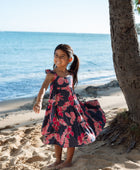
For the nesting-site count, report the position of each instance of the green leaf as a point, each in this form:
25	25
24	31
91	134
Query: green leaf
138	8
136	2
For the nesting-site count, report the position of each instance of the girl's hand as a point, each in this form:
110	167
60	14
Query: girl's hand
37	108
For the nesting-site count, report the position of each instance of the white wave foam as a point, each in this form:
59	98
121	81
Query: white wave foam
20	77
96	75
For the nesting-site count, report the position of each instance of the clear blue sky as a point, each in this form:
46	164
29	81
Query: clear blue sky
86	16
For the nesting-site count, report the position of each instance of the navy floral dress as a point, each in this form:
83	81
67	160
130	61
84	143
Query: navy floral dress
69	122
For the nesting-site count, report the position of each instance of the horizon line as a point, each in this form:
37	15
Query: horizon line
51	32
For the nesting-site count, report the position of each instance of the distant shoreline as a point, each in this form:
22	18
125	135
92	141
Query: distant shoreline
55	32
59	32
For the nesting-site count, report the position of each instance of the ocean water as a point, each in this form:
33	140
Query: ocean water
24	56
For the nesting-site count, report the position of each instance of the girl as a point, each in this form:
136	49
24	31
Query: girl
68	122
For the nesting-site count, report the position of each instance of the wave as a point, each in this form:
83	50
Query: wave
20	77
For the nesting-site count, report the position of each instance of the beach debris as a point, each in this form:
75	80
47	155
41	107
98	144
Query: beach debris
131	146
35	159
6	127
121	130
93	90
29	130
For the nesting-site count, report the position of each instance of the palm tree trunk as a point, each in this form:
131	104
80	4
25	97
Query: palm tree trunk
126	53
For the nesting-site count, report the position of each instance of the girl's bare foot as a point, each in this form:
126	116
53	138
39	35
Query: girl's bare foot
55	164
64	165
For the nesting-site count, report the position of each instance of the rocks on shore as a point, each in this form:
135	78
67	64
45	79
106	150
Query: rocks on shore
93	90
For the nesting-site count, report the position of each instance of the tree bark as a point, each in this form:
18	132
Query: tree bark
126	53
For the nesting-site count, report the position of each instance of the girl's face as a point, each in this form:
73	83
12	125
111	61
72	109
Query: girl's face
61	59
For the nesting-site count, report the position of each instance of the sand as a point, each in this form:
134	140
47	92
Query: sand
21	147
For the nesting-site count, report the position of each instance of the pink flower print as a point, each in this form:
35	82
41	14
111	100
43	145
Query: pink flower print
100	122
79	140
72	133
60	114
79	119
66	104
78	107
68	136
49	107
94	102
85	142
50	101
54	119
62	139
62	122
66	88
82	135
96	124
63	136
94	110
58	97
104	119
51	88
85	118
69	90
57	137
44	130
72	103
81	103
73	117
81	111
83	124
98	128
71	98
57	123
66	81
67	114
60	80
66	143
47	112
87	124
74	95
59	110
69	128
56	128
49	136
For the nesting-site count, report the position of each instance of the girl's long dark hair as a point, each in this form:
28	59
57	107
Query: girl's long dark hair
74	65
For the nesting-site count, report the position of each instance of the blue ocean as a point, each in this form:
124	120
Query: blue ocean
24	56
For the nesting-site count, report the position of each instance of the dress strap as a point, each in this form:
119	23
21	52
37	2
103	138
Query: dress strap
49	71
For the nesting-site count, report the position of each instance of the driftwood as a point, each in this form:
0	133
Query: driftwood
121	131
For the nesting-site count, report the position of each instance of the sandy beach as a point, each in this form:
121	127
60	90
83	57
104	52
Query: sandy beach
21	147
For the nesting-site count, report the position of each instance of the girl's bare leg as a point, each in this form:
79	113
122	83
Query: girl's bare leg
58	153
68	161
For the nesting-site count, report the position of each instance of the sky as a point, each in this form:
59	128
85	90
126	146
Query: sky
76	16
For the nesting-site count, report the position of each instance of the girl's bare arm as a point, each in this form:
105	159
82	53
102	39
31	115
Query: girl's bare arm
44	87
